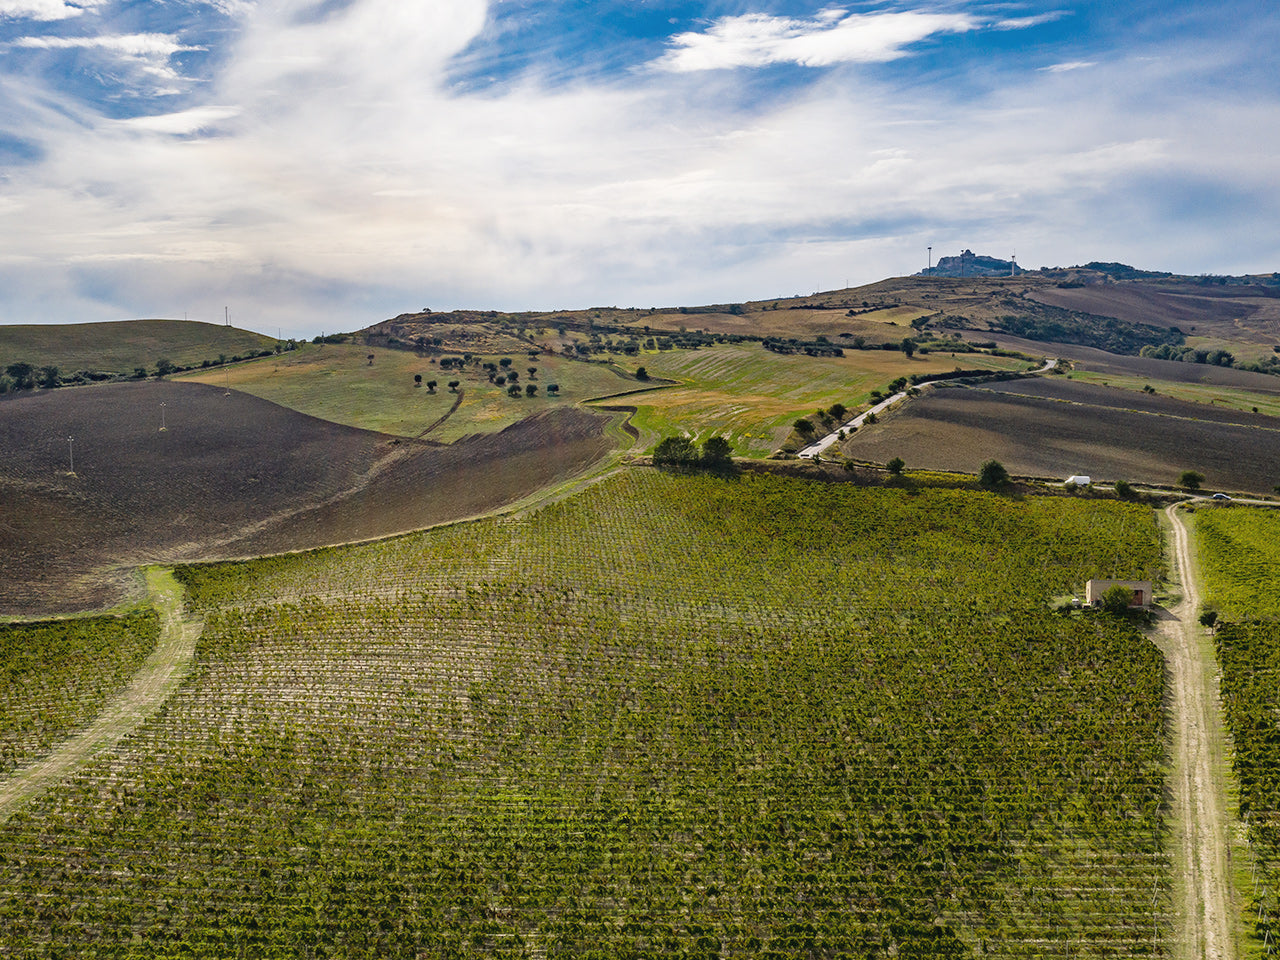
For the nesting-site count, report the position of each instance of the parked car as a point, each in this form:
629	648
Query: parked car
1220	496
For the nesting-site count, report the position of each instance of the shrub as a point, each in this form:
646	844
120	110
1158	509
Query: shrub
993	475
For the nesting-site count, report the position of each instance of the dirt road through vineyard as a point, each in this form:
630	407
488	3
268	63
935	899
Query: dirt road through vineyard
150	687
1201	855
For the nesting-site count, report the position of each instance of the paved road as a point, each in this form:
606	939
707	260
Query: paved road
815	450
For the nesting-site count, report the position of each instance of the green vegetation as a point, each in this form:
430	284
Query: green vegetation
1240	559
1240	556
751	395
55	676
121	347
993	475
336	382
667	716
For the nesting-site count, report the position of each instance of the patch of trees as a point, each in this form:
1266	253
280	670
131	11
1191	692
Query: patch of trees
1045	323
814	348
680	453
1122	271
1165	351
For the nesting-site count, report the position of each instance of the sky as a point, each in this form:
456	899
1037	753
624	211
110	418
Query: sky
320	165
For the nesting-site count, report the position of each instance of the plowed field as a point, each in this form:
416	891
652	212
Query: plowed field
229	476
1059	428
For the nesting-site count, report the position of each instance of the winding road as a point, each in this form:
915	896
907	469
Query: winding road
1201	854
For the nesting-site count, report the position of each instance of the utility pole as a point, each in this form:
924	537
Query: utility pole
71	454
930	248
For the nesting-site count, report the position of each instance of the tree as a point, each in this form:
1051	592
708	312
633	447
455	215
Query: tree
164	367
895	466
838	410
642	373
49	377
804	427
530	389
675	452
417	379
1124	488
431	386
532	370
22	375
370	358
1116	599
505	362
1190	480
908	347
993	475
717	451
513	390
453	386
1209	618
553	389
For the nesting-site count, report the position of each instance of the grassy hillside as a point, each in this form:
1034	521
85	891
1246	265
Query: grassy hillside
124	345
665	717
337	382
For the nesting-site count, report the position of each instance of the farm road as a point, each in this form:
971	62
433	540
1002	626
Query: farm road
1201	856
150	687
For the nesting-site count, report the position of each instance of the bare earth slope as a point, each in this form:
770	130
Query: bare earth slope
230	475
1098	431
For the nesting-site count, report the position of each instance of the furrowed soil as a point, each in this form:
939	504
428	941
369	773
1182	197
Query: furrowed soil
231	475
1054	428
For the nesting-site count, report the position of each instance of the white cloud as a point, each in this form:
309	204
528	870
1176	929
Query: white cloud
1023	23
344	180
756	40
45	10
133	46
1069	66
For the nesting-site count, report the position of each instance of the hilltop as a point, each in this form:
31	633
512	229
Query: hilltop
93	352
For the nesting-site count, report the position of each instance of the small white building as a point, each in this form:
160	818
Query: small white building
1079	481
1142	592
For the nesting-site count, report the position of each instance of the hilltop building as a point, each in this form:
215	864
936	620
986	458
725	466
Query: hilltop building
969	264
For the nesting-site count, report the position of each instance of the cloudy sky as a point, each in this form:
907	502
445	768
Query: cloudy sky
324	164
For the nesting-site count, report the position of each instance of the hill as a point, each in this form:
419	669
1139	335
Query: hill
119	348
230	475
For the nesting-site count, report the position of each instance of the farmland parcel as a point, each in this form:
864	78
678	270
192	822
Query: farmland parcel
677	716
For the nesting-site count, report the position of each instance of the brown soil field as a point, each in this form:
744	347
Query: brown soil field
231	476
1243	313
1170	371
1076	428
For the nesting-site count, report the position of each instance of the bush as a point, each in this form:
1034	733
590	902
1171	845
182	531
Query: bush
1190	480
993	475
895	466
1124	488
1116	599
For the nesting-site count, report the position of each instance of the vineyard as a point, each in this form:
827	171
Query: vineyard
675	716
56	675
1240	555
1239	550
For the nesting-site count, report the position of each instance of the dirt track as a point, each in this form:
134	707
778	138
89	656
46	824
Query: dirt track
1201	855
150	687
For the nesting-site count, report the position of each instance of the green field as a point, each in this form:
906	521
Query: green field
1239	552
56	675
753	396
337	382
667	716
1240	556
123	346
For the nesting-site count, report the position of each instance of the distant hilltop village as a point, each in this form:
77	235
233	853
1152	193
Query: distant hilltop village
969	264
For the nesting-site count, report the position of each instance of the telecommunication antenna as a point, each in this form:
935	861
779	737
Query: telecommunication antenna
162	426
71	455
1013	264
930	249
226	316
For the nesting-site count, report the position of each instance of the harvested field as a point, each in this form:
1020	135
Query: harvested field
1235	313
1070	428
230	475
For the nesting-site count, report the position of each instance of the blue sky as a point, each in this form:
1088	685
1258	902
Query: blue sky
324	165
